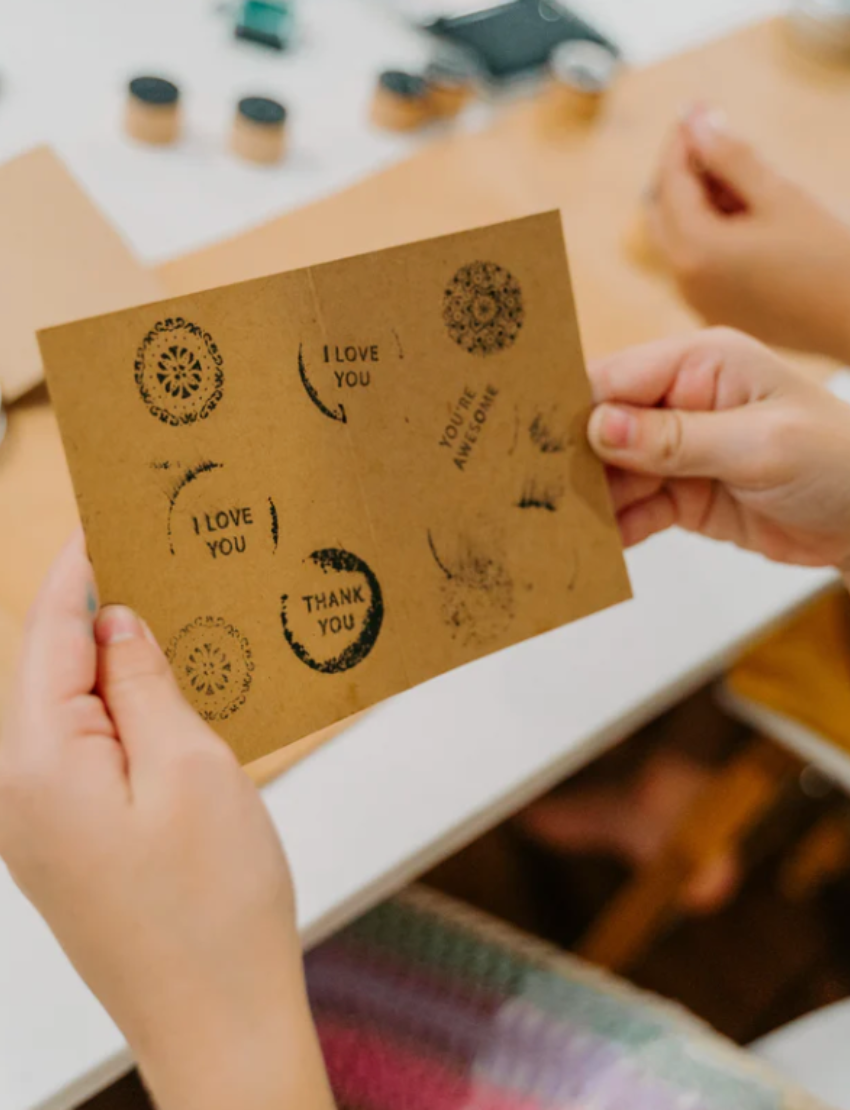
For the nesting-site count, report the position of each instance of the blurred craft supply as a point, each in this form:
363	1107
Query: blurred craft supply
259	130
450	88
515	38
823	25
583	73
153	110
265	23
426	1002
402	101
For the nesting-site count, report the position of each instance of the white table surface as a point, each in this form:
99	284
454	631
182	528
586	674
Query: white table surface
426	771
812	1053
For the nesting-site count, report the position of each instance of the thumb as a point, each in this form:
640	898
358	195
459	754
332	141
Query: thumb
724	155
674	443
138	688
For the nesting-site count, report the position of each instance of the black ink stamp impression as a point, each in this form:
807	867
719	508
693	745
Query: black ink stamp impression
179	372
213	665
342	621
483	308
477	590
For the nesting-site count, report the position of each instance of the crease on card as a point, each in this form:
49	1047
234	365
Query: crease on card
355	467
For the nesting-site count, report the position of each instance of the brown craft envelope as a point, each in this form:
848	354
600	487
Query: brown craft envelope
304	545
59	260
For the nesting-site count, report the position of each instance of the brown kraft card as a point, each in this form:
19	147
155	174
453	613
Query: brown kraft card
325	486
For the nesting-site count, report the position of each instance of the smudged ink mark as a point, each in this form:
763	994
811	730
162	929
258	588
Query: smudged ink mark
213	665
334	414
546	436
189	475
179	373
275	523
477	591
398	342
336	561
538	495
437	558
91	600
483	308
165	465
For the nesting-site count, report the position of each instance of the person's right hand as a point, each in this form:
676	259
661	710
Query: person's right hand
778	266
716	434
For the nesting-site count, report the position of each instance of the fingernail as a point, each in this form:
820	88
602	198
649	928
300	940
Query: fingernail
686	111
614	427
116	624
706	125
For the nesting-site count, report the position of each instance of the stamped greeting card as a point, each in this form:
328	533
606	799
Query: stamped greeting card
323	487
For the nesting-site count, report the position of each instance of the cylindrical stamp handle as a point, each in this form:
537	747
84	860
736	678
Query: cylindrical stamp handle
259	130
153	110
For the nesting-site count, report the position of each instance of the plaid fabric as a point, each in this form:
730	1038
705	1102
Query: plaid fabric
426	1005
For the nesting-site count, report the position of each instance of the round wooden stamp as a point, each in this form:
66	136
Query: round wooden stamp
583	72
402	101
450	89
259	130
153	111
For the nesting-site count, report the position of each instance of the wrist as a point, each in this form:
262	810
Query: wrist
258	1053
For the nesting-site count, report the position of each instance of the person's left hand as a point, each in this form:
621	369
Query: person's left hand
133	830
748	247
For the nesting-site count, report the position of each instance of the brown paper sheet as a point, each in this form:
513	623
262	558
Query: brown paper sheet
59	260
325	486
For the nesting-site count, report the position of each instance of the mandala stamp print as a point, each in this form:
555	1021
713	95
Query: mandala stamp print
179	372
483	308
213	665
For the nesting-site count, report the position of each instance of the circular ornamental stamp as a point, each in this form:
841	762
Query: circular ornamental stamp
483	308
213	665
179	372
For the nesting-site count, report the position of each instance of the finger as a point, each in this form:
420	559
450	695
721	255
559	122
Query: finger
153	720
672	443
725	156
59	659
682	211
646	518
628	488
716	368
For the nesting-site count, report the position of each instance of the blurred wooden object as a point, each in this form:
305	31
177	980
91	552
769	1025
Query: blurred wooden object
822	855
729	808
